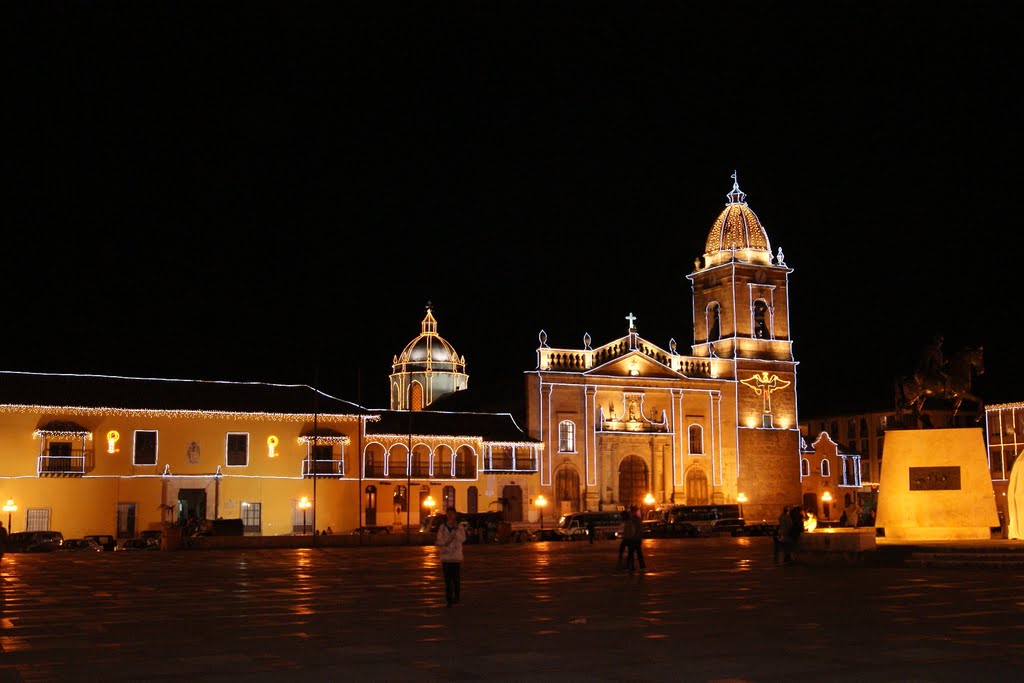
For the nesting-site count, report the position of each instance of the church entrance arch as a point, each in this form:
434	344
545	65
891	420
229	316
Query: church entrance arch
697	487
512	503
567	490
632	481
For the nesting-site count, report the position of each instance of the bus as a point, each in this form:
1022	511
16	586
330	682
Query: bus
573	526
695	520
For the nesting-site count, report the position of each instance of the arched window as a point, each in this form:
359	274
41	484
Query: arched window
805	467
416	396
447	497
760	319
370	505
696	440
714	322
826	470
399	499
566	437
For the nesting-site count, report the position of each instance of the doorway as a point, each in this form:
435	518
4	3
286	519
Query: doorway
512	502
191	504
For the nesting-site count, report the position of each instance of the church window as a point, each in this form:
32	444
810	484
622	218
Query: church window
805	467
416	396
714	322
696	440
760	319
566	437
826	471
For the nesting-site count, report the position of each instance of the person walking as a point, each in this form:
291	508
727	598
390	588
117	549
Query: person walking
632	534
450	537
783	536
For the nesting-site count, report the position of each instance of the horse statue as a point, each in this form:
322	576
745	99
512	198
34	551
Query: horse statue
912	392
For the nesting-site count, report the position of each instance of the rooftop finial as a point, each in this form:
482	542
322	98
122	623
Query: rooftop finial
736	196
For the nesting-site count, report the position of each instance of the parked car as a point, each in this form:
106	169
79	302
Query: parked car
105	541
80	545
153	536
134	544
367	530
34	541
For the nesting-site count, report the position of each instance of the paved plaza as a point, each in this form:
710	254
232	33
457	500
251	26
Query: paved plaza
715	609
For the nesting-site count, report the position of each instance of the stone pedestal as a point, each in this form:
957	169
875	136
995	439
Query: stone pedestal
935	486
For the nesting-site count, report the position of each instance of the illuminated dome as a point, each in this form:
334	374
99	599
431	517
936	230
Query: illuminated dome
427	369
429	347
737	234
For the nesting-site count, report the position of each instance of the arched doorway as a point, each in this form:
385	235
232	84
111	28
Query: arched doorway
370	506
567	490
632	481
697	488
512	497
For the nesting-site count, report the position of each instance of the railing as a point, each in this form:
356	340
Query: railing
61	465
323	468
509	464
462	471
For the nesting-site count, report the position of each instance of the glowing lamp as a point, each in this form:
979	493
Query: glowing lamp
272	442
649	500
540	501
112	438
10	508
304	504
429	503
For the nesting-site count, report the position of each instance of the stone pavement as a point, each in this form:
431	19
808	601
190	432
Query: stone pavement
708	609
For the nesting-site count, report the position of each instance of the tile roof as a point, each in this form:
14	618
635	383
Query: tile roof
138	393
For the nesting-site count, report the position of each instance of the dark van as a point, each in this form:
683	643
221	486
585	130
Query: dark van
481	527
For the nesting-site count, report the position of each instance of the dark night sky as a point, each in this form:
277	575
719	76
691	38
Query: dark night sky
274	191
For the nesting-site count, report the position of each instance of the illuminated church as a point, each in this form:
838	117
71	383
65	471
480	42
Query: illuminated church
628	417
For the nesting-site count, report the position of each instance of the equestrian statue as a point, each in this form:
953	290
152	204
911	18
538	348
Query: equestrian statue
936	378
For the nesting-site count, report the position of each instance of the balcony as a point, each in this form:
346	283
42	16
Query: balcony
71	465
323	468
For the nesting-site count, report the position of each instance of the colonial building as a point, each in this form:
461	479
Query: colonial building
629	418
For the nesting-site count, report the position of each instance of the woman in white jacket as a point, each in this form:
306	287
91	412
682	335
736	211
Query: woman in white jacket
450	537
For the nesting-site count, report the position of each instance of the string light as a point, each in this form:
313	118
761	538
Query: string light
272	442
112	438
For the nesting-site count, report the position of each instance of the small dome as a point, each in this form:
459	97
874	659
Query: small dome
737	233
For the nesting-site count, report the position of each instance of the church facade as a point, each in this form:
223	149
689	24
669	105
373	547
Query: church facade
629	419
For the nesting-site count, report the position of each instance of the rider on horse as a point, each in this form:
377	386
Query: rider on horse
931	369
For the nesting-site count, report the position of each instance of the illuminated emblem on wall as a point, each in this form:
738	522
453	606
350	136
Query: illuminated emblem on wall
272	442
764	385
112	438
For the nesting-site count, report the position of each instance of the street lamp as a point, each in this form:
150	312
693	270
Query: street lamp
826	498
304	505
540	502
649	502
10	508
741	498
429	503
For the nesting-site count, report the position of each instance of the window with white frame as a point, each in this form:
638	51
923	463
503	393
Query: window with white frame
696	433
566	437
825	469
252	514
144	451
237	449
805	467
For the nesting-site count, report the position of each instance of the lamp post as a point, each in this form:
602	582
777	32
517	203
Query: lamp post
430	504
826	498
540	501
304	505
741	498
648	503
10	508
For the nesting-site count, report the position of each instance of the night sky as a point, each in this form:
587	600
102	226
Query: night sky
274	191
